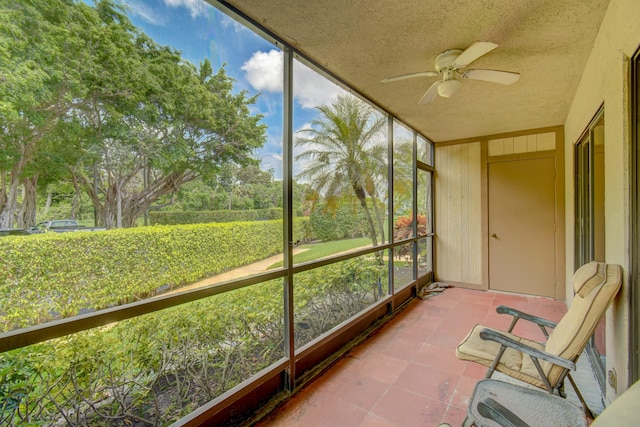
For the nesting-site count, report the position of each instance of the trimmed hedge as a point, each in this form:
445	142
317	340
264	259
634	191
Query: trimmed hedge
346	222
166	364
204	217
55	275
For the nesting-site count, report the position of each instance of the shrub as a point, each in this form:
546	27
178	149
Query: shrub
346	222
204	217
156	368
403	229
53	275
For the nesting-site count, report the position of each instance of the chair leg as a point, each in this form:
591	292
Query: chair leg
587	411
492	368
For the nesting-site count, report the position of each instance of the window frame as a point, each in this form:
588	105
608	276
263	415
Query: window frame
585	220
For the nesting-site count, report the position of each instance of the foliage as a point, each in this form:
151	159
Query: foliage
346	221
39	82
402	176
202	217
157	368
236	188
346	156
89	100
54	275
327	296
403	229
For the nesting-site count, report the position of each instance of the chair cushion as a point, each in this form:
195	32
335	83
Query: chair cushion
513	363
572	333
596	285
588	277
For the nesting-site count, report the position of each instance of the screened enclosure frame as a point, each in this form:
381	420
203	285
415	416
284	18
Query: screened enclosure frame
293	375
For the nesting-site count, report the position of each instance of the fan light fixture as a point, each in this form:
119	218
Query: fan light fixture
448	88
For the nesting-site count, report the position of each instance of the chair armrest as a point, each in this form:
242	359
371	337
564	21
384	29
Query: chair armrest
543	324
488	334
525	316
492	410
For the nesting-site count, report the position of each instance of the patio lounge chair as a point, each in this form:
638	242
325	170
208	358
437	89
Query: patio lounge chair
545	365
504	404
508	405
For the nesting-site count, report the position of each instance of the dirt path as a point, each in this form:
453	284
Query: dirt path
244	271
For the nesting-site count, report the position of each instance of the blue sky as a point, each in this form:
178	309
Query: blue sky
200	31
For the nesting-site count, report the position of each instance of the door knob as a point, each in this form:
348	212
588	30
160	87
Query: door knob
494	235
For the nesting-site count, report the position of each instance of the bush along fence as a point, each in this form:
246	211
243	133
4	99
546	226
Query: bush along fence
203	217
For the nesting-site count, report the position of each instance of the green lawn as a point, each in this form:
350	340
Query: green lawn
320	250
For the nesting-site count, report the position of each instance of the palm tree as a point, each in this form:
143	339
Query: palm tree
402	177
345	152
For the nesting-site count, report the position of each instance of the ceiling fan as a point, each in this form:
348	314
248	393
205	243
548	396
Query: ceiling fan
450	64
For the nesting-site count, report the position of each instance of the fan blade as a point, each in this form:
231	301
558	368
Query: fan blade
409	76
494	76
472	53
430	93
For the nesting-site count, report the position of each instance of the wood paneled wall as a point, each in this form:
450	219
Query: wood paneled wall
461	199
458	206
522	144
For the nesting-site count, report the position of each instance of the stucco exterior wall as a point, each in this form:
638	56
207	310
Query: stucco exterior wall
605	80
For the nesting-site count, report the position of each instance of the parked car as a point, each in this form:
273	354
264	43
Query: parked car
13	232
61	226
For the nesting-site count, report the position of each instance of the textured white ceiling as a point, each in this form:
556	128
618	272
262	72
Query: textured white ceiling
363	41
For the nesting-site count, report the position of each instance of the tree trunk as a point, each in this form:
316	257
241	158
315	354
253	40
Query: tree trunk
27	213
118	207
74	206
47	205
379	219
363	202
114	206
3	190
7	214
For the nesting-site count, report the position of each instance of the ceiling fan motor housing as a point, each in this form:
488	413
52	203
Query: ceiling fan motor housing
445	59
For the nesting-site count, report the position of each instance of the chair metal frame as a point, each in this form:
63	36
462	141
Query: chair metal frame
535	354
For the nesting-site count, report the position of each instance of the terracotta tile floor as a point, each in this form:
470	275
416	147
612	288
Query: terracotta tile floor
407	373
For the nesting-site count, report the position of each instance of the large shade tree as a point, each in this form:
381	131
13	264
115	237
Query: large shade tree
39	84
344	151
89	99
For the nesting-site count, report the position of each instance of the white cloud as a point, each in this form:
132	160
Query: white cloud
196	7
311	89
264	71
146	13
226	21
